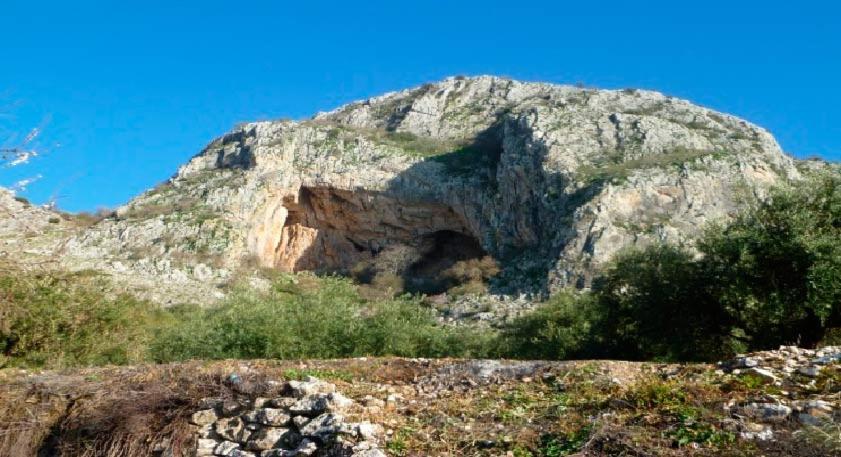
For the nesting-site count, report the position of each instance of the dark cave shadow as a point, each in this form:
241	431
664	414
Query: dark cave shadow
548	218
475	194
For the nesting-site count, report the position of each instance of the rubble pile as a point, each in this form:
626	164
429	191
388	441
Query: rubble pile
306	421
792	393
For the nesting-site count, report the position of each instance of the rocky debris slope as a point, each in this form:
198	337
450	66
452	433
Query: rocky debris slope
429	407
307	421
791	375
549	180
30	233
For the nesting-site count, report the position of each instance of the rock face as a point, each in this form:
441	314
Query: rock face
31	235
549	180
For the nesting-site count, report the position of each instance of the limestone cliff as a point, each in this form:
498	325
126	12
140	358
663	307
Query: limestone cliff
549	180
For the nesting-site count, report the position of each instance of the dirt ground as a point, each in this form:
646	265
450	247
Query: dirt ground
428	407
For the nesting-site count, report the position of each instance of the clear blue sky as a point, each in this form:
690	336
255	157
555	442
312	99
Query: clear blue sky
130	90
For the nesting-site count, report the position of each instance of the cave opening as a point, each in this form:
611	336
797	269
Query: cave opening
447	259
404	246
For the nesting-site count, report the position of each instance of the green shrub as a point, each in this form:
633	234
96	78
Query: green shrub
779	265
327	321
56	320
772	277
561	328
23	200
657	304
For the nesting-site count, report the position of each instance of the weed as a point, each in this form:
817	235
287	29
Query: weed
521	451
398	444
657	394
825	438
554	445
688	432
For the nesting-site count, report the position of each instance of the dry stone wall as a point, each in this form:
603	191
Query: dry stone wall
308	420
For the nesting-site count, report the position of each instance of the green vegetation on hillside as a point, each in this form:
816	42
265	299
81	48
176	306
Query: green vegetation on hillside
771	277
68	319
308	317
618	169
60	320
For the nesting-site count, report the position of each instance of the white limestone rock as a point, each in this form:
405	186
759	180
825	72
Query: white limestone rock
561	178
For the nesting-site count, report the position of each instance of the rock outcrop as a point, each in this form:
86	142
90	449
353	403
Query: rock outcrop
551	181
30	235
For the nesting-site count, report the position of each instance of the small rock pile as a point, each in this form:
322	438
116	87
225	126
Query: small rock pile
306	421
486	309
793	373
777	366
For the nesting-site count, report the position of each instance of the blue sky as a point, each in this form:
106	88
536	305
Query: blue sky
127	91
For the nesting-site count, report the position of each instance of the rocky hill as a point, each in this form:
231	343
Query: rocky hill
548	181
485	195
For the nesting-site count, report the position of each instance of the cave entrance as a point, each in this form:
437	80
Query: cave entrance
448	259
331	230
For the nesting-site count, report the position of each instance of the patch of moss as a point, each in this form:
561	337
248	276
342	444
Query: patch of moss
613	170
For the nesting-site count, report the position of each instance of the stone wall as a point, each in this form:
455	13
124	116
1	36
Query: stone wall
308	420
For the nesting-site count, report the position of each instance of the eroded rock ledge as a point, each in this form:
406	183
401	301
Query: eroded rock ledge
334	229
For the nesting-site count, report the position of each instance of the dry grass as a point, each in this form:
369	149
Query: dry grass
561	408
114	412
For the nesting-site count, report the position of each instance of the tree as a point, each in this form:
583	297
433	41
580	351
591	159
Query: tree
16	151
658	304
771	277
779	265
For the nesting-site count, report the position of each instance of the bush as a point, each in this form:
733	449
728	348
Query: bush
327	321
56	320
657	304
59	320
561	328
382	286
469	276
779	266
772	277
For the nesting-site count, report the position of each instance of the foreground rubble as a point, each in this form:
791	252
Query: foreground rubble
775	403
790	392
306	421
